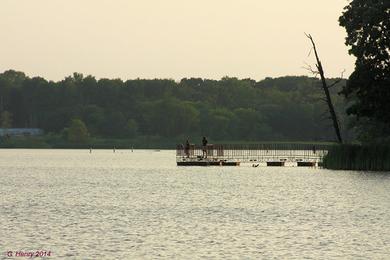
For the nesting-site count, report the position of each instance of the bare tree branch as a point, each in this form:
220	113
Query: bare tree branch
338	81
325	87
309	51
309	68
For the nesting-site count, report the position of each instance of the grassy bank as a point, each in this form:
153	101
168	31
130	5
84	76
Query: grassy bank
140	142
57	142
358	157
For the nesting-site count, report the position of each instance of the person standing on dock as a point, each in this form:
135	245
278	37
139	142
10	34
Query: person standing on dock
187	149
204	147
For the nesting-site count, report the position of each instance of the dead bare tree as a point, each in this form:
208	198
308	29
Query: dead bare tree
325	87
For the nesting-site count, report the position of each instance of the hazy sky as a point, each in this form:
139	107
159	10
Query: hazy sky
170	38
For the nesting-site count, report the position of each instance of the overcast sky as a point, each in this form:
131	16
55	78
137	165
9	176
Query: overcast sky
170	38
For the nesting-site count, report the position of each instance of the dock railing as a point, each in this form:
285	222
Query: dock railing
246	153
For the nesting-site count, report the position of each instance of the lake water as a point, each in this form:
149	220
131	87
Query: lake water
139	205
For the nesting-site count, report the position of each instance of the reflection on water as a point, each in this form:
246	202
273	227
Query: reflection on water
127	205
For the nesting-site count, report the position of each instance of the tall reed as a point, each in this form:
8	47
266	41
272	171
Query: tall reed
358	157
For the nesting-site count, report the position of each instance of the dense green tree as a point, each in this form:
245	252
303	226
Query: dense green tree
77	132
131	128
114	124
219	123
248	124
94	118
6	119
170	117
367	23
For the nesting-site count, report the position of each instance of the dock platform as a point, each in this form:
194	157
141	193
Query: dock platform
276	155
206	163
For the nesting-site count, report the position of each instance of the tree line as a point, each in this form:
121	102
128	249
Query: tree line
230	109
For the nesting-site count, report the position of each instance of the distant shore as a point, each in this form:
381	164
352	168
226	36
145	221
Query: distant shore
141	142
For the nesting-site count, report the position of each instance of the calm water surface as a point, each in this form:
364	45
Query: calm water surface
139	205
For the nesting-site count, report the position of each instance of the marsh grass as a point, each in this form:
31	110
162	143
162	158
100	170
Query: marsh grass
358	157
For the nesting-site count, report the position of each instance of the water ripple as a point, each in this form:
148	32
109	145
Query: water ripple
140	205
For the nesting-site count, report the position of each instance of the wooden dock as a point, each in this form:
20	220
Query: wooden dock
301	155
206	162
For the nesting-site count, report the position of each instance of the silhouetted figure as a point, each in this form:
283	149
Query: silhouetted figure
187	149
204	147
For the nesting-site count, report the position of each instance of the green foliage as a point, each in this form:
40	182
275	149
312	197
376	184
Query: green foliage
367	23
6	119
230	109
169	117
24	142
77	132
131	128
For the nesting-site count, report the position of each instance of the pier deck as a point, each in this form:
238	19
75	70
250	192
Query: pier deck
234	155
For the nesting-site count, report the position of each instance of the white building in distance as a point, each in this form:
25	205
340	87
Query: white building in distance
21	131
